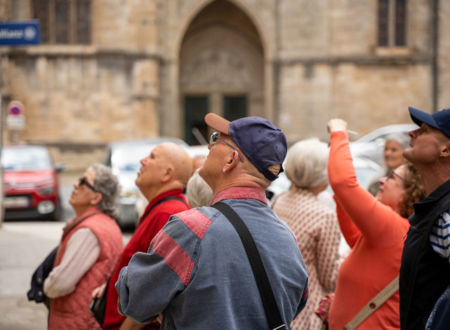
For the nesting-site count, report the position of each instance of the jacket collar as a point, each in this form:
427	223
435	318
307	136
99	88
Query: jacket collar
174	192
75	222
241	193
435	196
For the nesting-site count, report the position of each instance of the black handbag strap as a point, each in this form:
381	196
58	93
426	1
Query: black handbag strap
265	290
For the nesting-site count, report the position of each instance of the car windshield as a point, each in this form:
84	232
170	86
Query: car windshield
126	158
25	159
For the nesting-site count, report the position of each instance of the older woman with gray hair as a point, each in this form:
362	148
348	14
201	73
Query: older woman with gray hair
314	225
393	157
89	249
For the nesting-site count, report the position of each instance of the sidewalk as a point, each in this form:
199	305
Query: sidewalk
23	245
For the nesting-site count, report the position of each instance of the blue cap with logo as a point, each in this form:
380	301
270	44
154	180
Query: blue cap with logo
439	120
260	141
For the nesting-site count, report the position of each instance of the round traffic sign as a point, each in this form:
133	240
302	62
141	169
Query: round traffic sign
15	108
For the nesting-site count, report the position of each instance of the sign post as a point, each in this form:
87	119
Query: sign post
15	34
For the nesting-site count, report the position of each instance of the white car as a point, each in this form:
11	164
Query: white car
371	145
366	171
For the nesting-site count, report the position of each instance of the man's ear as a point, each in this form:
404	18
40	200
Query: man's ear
167	174
231	161
445	151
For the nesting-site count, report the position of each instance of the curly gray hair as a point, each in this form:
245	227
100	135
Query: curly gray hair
106	183
306	164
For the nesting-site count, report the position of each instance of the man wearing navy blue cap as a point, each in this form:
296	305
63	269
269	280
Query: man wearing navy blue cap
425	269
196	272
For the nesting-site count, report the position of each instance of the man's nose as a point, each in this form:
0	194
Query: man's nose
382	180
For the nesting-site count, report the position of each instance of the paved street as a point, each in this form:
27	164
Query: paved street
23	245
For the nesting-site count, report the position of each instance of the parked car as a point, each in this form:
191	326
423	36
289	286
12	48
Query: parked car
371	145
123	158
30	183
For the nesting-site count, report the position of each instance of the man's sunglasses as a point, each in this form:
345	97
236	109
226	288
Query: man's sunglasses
84	182
215	137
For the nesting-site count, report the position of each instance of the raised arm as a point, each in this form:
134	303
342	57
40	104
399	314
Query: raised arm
370	216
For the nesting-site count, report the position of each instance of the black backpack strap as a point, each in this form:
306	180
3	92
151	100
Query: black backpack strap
265	290
165	199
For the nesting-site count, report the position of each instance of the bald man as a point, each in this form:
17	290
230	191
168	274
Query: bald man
161	179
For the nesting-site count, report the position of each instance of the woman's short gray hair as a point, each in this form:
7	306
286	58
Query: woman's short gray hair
402	139
198	192
106	183
306	164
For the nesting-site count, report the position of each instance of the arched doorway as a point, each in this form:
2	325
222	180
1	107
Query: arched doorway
221	68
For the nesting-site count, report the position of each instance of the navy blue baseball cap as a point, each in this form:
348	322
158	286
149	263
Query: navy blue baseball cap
260	141
439	120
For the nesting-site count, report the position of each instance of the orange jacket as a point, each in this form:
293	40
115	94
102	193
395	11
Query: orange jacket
376	234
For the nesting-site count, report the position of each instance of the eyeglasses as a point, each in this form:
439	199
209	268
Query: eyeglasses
392	175
83	181
215	136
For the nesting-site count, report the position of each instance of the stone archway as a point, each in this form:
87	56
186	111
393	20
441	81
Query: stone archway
221	67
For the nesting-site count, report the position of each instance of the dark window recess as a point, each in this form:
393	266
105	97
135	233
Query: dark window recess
41	12
234	107
392	23
195	129
83	21
64	21
400	22
383	22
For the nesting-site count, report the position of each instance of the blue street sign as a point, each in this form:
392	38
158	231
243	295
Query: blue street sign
19	33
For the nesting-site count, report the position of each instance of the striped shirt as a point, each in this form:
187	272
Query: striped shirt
440	235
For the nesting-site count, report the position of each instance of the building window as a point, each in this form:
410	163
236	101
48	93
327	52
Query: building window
64	21
234	107
391	23
195	129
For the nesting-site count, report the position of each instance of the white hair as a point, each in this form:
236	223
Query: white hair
402	139
198	192
306	164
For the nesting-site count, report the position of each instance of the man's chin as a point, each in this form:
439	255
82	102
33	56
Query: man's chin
407	153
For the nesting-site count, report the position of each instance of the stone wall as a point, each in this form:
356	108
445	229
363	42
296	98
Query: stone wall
88	95
302	61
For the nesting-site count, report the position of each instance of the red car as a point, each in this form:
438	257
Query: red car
30	183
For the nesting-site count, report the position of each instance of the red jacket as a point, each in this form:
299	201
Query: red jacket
149	226
72	311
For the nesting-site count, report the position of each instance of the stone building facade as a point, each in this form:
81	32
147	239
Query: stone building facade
111	70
